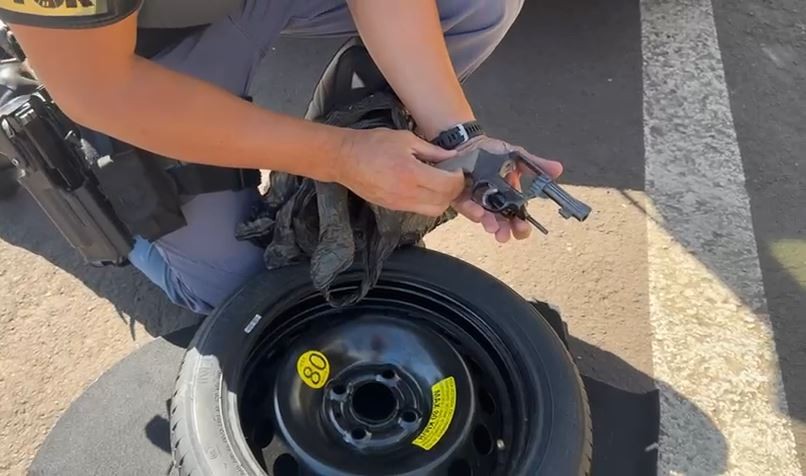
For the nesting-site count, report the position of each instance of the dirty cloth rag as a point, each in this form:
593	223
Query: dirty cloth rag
304	220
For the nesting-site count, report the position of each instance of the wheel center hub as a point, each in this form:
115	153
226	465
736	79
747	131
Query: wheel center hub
373	408
374	402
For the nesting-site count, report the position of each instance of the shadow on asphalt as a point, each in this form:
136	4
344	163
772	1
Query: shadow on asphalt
608	367
158	432
768	101
25	225
619	407
579	100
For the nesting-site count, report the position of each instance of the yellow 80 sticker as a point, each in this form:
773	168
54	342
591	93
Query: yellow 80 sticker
313	369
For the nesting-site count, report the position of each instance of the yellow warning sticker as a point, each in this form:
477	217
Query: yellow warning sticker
56	8
313	368
443	395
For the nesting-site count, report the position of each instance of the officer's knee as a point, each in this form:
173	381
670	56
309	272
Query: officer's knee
500	14
493	16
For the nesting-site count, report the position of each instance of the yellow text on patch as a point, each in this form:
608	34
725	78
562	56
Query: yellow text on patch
56	8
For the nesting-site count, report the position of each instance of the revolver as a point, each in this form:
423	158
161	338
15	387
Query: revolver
489	187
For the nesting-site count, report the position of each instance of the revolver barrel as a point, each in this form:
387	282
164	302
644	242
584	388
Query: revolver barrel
569	206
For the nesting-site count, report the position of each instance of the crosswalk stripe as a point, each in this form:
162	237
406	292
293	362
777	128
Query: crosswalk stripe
712	341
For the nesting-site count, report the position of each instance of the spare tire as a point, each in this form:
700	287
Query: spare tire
441	369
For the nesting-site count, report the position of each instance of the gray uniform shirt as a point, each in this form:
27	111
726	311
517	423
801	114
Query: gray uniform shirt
94	13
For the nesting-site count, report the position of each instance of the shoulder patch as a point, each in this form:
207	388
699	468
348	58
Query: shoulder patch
56	8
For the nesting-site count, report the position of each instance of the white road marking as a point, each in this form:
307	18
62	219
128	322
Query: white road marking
723	407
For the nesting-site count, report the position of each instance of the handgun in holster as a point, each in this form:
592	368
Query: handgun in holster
46	148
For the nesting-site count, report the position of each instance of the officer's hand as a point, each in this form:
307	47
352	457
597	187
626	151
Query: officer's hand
385	167
502	228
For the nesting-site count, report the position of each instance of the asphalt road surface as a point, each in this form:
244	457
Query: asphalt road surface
683	123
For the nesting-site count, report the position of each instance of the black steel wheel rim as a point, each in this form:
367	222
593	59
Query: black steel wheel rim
374	411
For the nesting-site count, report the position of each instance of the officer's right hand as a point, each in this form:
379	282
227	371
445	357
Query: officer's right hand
385	167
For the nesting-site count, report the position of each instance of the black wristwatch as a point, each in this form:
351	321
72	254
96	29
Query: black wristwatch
458	135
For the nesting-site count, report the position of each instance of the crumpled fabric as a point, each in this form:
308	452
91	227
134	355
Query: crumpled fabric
303	220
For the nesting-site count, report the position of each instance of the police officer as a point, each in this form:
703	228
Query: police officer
184	102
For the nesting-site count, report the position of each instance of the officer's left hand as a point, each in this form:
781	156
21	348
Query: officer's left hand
502	228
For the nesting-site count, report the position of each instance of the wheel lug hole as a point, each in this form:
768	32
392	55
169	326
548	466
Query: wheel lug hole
358	434
388	374
339	390
409	416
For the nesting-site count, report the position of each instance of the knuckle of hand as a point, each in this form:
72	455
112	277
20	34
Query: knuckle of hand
403	136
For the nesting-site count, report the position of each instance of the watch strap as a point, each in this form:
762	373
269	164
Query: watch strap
458	135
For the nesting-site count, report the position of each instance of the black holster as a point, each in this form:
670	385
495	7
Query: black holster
46	147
